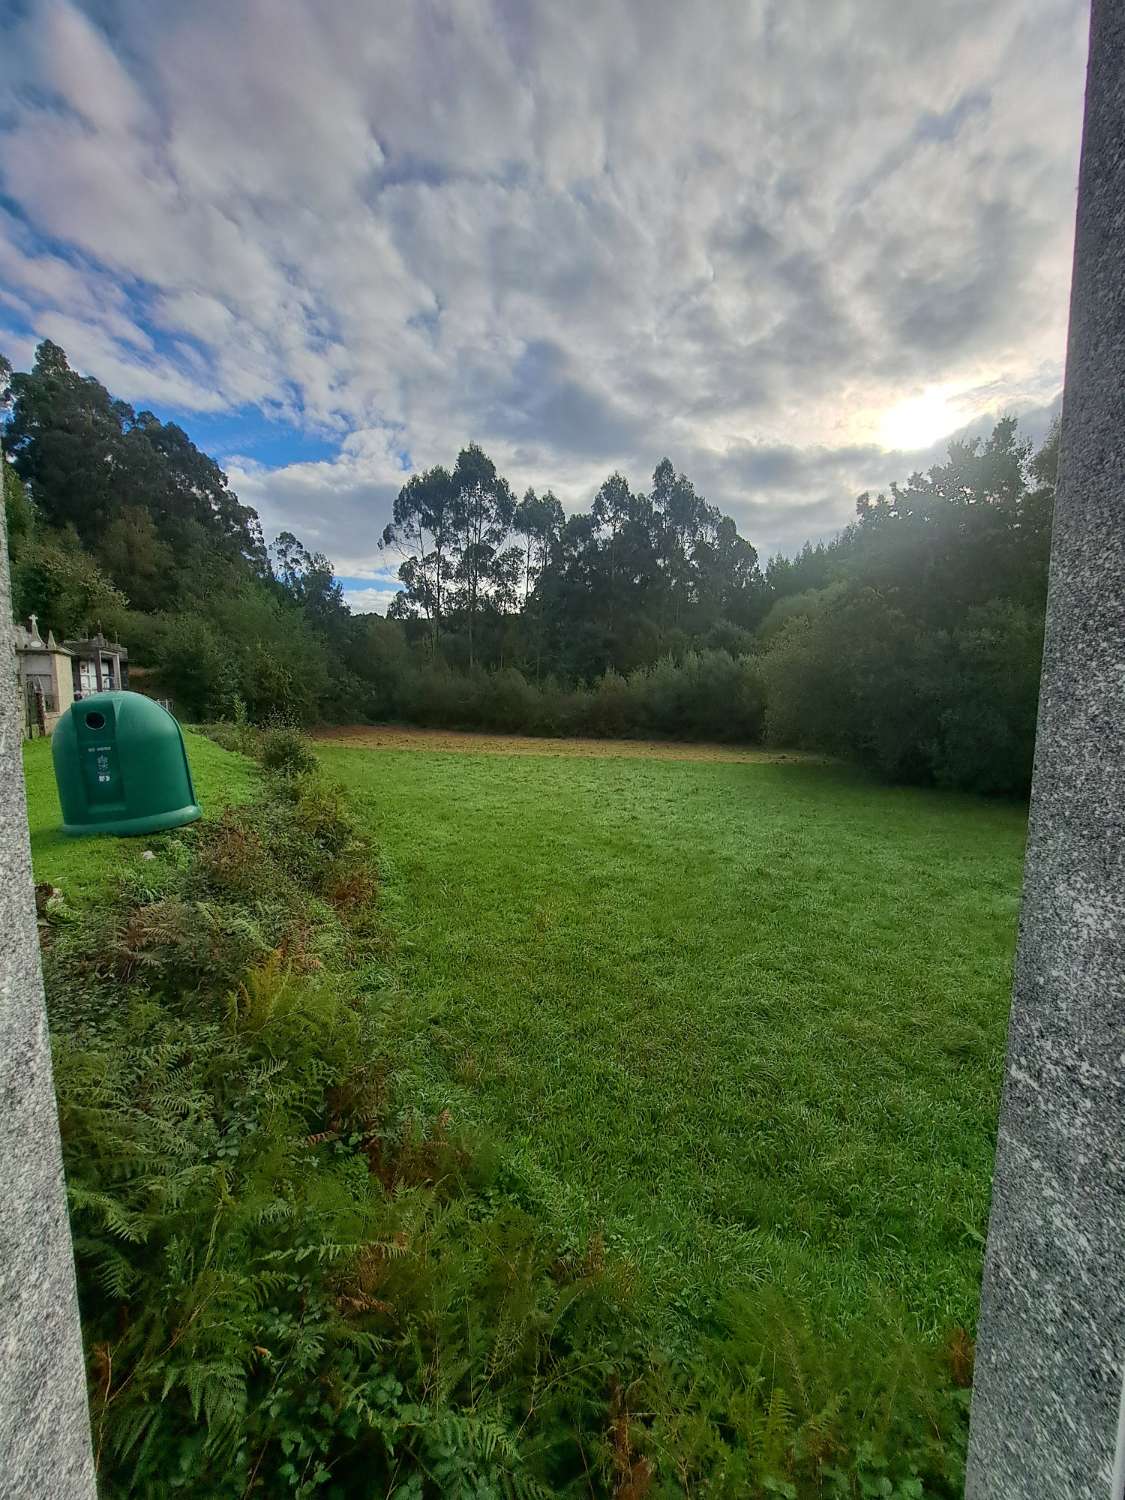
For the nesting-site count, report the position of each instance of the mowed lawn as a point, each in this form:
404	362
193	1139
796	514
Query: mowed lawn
745	1021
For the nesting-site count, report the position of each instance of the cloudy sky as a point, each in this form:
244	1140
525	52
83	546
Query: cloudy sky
792	244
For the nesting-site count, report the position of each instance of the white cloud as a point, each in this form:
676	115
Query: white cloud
369	601
339	507
584	237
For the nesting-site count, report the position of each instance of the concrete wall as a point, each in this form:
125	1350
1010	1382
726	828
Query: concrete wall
44	1424
1052	1332
64	676
58	668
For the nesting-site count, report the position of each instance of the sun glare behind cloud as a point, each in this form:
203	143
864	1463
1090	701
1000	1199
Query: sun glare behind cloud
921	420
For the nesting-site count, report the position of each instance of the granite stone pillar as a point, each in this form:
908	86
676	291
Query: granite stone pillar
44	1423
1051	1351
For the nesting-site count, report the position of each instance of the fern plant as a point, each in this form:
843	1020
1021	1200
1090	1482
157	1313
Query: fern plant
290	1283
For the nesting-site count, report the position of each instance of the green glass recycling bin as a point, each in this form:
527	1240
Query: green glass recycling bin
121	767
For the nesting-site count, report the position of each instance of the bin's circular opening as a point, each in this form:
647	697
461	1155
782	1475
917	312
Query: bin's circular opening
95	720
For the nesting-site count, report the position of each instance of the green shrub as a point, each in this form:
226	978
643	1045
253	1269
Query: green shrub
512	704
769	1406
611	709
708	695
986	741
54	579
240	738
195	668
852	675
286	752
705	695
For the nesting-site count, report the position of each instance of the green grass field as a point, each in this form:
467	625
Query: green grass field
744	1021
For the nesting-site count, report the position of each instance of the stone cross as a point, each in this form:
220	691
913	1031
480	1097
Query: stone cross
1047	1396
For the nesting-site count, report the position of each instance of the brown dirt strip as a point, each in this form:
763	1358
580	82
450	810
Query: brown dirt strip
401	737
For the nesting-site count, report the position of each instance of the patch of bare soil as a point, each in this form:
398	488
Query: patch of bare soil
402	737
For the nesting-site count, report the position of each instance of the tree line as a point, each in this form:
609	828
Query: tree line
636	576
909	642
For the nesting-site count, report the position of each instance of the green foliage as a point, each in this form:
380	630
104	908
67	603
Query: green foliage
91	461
452	529
767	1406
285	751
608	590
56	580
709	695
986	737
853	675
848	677
706	695
291	1282
917	649
194	668
278	747
250	655
308	579
19	514
131	550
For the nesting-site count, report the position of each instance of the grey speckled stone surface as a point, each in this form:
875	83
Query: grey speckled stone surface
1052	1335
44	1423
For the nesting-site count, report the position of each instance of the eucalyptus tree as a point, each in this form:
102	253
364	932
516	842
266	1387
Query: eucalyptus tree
423	531
309	580
88	458
482	512
539	520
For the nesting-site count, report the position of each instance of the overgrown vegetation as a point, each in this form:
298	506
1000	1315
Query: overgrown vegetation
291	1282
910	642
315	1257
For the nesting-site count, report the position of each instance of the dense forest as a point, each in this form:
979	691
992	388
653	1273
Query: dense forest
910	642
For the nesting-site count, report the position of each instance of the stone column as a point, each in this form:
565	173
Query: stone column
44	1422
1051	1352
